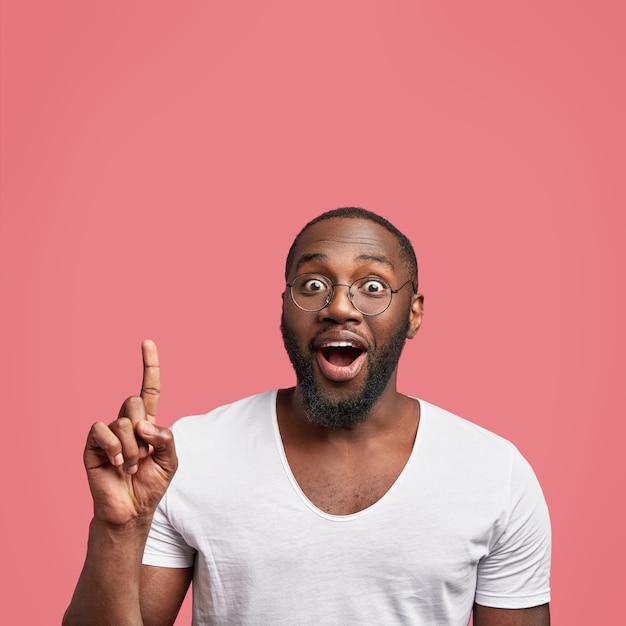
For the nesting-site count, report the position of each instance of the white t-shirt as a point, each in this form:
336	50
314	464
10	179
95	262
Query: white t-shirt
465	521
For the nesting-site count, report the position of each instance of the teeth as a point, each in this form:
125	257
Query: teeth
340	344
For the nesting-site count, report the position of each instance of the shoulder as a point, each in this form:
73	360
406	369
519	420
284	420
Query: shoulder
232	423
260	403
469	455
459	435
230	438
488	474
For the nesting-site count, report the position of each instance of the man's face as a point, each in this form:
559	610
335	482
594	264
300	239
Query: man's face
344	360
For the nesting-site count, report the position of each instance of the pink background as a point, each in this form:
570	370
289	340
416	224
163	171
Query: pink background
158	158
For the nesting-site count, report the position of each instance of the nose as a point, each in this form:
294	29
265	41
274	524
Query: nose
340	307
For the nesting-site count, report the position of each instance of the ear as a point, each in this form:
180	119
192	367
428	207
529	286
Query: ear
416	314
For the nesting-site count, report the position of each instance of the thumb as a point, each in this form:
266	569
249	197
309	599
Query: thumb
162	441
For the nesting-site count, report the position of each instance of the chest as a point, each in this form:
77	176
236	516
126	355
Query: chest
361	566
342	485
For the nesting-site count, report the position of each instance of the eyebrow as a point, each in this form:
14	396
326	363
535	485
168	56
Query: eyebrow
306	258
362	258
377	258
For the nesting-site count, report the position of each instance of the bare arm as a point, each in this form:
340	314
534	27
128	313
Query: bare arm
129	465
535	616
162	592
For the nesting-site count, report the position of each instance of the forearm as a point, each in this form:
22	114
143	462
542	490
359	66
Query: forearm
107	592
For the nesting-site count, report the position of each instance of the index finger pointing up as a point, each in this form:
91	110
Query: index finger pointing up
151	385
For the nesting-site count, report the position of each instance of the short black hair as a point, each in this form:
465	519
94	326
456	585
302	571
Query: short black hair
406	247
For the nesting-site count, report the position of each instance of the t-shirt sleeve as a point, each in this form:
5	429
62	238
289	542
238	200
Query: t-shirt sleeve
165	546
516	572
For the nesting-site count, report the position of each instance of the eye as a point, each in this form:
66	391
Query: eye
372	287
313	284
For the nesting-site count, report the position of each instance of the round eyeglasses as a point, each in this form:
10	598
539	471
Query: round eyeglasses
370	295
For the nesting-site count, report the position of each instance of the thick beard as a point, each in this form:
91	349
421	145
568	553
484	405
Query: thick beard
329	412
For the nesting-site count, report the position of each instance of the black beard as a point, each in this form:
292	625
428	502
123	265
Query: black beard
332	413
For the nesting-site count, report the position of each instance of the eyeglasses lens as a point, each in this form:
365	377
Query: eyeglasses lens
312	292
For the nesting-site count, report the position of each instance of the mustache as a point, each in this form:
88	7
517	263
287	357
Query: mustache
347	327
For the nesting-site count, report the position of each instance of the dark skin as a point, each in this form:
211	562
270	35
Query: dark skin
343	475
131	461
343	471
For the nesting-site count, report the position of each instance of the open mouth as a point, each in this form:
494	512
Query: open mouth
341	356
340	360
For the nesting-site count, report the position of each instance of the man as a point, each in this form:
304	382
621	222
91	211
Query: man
337	501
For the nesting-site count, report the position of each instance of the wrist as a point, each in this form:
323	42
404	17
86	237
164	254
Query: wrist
141	523
124	536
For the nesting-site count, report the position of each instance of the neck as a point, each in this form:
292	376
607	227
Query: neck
392	413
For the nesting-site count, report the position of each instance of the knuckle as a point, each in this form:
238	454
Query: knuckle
99	434
130	403
121	427
96	427
102	437
132	408
133	401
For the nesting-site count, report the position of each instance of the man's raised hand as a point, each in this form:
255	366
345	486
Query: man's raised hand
131	461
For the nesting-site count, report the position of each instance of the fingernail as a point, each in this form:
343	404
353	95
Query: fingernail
118	459
132	469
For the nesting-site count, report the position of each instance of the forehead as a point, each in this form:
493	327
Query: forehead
346	243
